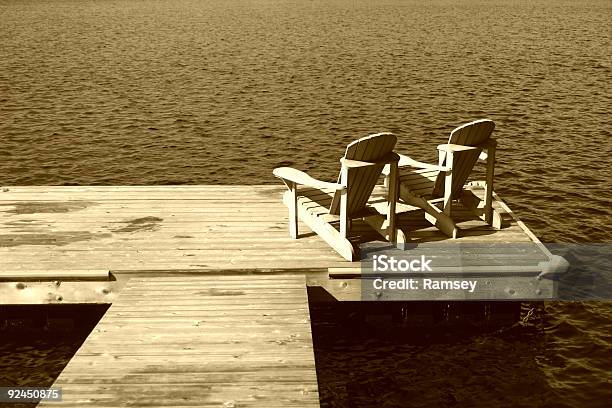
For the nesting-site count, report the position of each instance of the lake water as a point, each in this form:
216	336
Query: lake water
222	91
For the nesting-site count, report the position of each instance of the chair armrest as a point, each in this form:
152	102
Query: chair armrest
299	177
386	159
449	147
406	161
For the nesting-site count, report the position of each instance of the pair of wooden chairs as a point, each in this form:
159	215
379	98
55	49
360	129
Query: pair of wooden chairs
330	208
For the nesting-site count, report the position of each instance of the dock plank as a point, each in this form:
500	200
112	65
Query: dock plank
244	352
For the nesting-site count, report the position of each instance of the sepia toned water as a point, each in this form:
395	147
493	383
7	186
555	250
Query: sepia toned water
222	91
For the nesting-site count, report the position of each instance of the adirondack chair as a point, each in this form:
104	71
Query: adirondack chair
329	208
434	187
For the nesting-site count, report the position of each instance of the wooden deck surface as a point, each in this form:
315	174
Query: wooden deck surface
69	233
177	228
198	342
152	228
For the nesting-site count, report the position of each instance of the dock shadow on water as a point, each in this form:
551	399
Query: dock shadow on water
38	341
447	355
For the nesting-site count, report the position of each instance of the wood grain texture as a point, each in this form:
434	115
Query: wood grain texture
57	233
243	343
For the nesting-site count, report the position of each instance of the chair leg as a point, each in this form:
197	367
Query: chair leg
393	186
380	223
345	221
293	215
436	216
448	185
444	223
488	209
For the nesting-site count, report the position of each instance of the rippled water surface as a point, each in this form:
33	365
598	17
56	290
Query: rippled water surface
222	91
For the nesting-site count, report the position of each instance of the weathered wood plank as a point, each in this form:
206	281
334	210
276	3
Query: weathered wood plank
124	266
515	288
59	274
161	360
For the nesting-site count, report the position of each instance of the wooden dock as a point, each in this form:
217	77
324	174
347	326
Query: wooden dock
199	341
80	244
208	291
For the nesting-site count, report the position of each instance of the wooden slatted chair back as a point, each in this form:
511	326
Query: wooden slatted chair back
360	181
471	134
